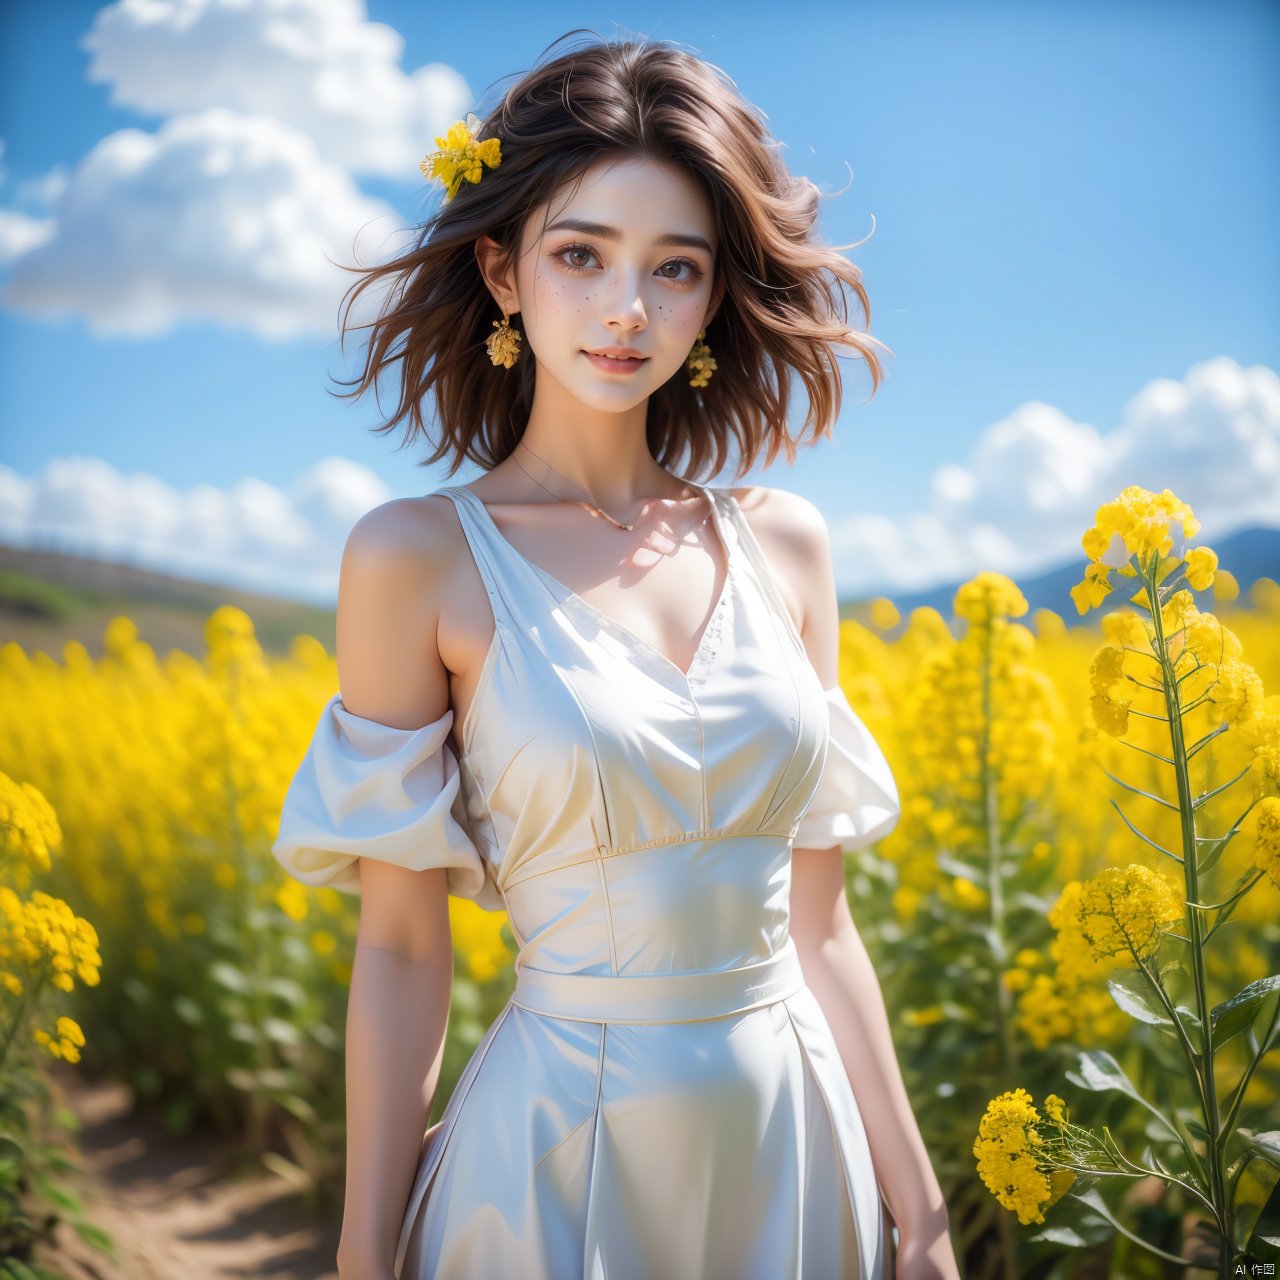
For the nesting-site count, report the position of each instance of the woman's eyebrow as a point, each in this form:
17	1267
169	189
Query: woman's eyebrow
612	233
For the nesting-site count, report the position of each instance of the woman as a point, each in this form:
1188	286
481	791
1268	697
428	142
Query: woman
591	692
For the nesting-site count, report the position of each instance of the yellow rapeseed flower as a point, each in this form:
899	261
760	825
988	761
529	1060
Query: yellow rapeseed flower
291	898
988	596
1236	692
884	614
1122	911
968	894
1226	588
461	157
1201	564
1266	848
1095	588
906	903
1055	1108
1008	1154
323	943
1141	529
28	831
1014	980
923	1017
64	1043
69	1029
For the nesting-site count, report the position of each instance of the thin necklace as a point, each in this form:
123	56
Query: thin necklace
590	506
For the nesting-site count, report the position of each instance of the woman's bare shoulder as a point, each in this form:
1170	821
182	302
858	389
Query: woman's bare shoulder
416	538
782	521
793	534
397	575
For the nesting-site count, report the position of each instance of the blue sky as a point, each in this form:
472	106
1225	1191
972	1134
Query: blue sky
1071	211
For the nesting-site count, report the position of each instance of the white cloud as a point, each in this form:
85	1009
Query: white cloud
20	234
318	65
1213	438
216	217
46	190
252	535
1033	482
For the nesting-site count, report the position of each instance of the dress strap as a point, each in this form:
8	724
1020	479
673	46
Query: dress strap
510	594
761	569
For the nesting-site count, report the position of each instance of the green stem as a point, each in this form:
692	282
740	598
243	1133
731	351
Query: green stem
1215	1146
1153	977
25	1002
1238	1096
1231	901
251	949
994	877
19	1011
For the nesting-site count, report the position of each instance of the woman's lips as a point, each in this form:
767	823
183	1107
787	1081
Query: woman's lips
611	365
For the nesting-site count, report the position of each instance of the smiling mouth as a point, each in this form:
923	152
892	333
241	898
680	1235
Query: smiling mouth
617	366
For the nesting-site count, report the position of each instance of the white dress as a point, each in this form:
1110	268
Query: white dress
662	1098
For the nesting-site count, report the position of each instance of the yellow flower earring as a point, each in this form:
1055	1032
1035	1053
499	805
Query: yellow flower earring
504	345
700	362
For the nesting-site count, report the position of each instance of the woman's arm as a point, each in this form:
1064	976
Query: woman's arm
836	965
398	1006
839	972
393	1066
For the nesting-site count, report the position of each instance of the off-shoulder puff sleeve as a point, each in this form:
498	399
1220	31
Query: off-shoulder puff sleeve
368	790
857	798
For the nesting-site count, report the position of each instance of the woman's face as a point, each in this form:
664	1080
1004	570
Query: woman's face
626	260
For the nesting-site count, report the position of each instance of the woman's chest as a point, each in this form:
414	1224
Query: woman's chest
570	716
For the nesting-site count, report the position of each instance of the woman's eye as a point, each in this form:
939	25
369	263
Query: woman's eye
694	270
573	251
575	258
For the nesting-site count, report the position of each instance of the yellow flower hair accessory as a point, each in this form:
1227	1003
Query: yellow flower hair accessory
461	156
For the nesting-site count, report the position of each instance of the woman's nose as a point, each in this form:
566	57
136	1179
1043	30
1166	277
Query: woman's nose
623	299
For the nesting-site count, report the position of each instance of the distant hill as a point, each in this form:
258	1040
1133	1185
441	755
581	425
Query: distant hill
47	599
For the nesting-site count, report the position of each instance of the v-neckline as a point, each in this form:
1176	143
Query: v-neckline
708	641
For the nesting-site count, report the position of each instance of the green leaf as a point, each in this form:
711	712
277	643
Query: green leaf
1209	858
287	1169
1236	1015
1101	1073
1073	1224
324	1035
99	1239
227	975
1093	1198
188	1010
299	1107
1264	1243
1267	1145
289	990
281	1031
1132	991
1196	1128
243	1079
63	1197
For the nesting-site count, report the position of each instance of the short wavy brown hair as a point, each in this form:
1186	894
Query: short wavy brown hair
783	311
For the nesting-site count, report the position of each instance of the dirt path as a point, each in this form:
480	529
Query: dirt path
173	1208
